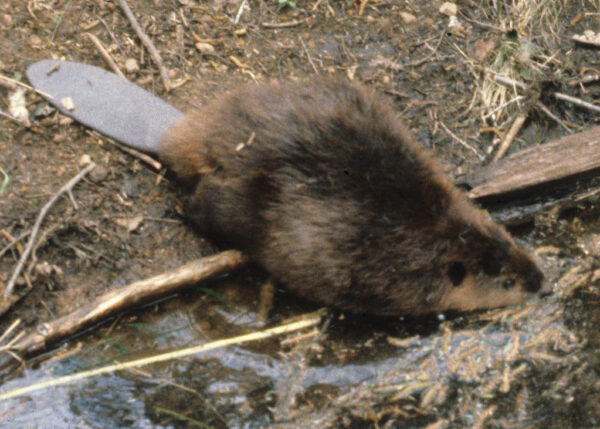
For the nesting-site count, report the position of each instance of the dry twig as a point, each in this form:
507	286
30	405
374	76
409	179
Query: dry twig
461	141
287	24
12	83
577	101
308	55
137	154
506	81
9	330
552	116
36	227
14	242
510	136
308	322
147	43
240	11
107	57
361	8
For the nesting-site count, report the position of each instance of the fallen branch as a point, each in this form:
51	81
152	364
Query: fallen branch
36	227
363	5
523	116
127	297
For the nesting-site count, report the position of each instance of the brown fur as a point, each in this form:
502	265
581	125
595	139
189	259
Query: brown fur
322	185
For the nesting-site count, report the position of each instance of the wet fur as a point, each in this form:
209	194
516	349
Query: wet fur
322	185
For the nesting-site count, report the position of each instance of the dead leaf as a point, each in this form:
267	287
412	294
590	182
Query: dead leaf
588	37
130	224
17	106
484	47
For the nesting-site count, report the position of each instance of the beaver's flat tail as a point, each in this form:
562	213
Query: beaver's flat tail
104	102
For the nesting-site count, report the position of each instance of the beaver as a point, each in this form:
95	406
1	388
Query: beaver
322	185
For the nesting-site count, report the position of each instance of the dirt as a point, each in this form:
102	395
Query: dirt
527	366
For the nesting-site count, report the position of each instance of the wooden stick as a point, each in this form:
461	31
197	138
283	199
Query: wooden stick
36	227
239	12
506	81
287	24
9	330
137	154
510	136
577	101
126	297
308	55
12	83
462	142
587	78
552	116
147	43
14	242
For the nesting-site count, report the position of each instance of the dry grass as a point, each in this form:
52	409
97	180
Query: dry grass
523	53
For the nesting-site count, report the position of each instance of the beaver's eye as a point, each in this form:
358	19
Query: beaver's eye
508	283
457	272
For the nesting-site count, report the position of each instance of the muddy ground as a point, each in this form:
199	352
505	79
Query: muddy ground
527	366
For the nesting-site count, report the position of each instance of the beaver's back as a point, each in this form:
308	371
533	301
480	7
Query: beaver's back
321	184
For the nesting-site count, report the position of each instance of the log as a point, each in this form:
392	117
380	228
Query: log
561	159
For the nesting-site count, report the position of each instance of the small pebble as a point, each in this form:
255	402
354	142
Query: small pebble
65	120
131	65
67	103
85	160
448	8
7	20
98	174
408	18
205	47
35	41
